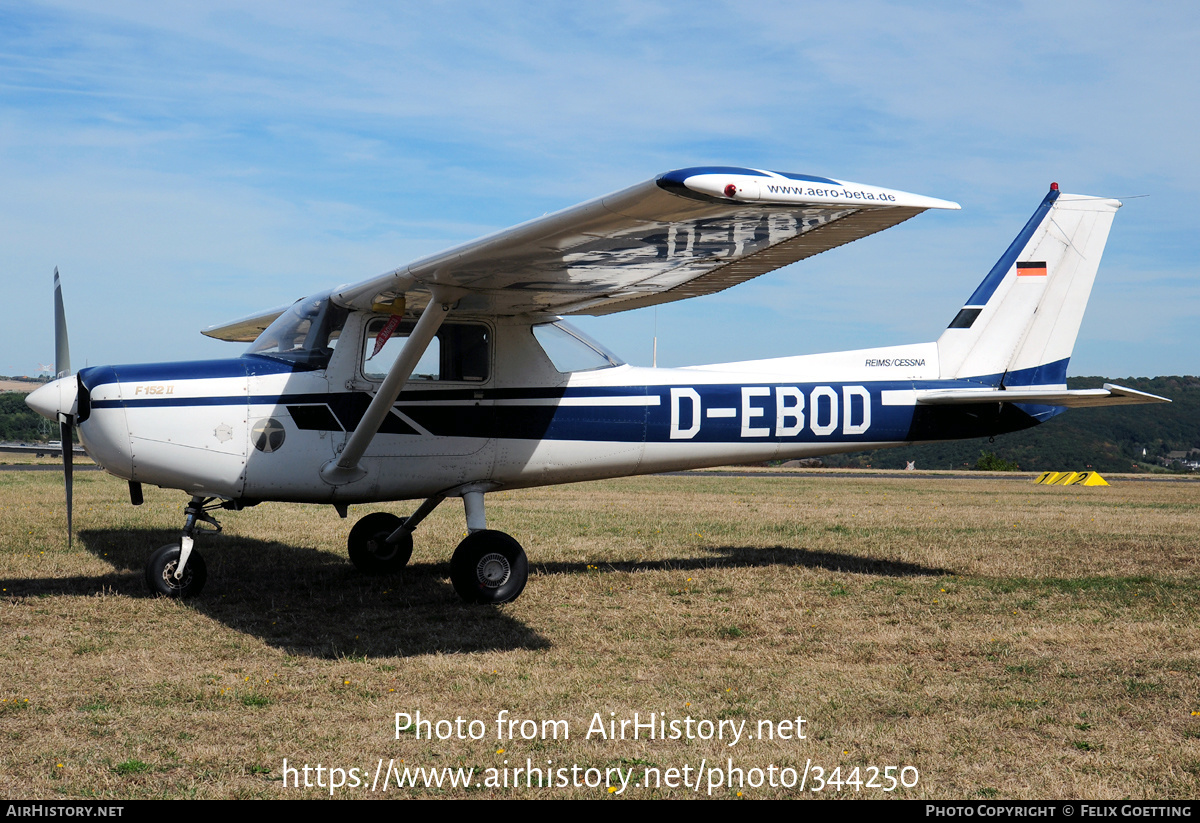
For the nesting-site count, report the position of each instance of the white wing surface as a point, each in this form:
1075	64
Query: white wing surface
685	233
244	329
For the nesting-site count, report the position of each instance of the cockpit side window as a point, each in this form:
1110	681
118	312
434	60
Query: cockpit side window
459	352
570	350
305	334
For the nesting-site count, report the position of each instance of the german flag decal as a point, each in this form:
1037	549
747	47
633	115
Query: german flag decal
1031	270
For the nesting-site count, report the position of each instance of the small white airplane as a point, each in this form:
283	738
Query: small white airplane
456	376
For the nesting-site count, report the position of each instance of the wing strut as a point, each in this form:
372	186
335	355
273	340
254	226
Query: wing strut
345	468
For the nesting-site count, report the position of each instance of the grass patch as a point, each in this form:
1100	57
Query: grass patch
133	766
254	699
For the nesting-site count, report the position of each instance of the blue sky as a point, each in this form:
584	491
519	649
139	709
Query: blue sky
186	165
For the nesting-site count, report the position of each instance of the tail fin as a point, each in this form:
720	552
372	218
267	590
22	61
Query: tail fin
1019	327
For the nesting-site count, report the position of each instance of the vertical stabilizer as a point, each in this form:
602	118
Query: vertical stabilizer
1020	325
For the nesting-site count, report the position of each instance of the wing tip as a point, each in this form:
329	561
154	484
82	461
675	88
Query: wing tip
736	184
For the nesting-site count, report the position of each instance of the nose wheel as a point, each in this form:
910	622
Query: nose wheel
162	567
489	567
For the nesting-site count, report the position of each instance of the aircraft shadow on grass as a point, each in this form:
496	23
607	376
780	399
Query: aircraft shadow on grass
309	602
316	604
750	557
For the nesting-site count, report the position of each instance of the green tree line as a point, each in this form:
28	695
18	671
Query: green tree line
19	423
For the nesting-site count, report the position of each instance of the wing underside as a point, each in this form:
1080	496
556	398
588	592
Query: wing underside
684	234
244	329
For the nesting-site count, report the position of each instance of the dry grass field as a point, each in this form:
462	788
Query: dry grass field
998	639
22	386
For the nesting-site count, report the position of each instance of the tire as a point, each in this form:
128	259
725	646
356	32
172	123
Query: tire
368	547
489	567
160	571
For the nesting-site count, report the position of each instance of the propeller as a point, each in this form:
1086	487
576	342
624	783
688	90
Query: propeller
58	400
62	351
66	432
66	428
66	401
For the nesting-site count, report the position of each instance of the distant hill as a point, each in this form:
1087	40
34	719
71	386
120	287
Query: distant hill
1106	439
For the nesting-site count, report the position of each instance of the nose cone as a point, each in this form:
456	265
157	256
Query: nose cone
55	398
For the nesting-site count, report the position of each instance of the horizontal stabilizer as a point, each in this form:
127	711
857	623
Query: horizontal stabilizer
1110	395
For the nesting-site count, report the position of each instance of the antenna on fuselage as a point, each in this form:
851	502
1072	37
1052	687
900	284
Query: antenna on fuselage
654	352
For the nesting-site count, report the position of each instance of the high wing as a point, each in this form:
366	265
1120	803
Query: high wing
686	233
683	234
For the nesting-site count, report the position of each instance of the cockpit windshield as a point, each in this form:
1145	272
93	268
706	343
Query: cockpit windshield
305	334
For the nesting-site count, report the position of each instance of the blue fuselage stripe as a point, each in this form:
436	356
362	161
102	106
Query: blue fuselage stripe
721	413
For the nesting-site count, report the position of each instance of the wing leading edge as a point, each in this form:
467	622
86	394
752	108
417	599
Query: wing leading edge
683	234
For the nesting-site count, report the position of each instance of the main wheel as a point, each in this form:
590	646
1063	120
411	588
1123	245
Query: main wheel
368	547
489	567
160	573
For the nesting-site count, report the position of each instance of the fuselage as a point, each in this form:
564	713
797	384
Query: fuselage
258	427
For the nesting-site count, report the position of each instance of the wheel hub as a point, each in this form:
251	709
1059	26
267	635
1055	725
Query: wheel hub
169	575
493	570
380	548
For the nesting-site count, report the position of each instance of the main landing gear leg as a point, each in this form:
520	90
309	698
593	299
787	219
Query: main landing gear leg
177	569
488	566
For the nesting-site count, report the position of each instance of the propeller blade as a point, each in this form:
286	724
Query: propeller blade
62	351
66	435
66	429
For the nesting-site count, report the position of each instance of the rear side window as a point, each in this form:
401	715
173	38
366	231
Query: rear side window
459	352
